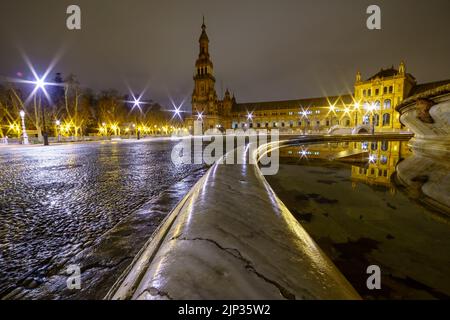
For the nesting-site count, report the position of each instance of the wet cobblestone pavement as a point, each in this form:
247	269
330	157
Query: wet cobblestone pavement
90	204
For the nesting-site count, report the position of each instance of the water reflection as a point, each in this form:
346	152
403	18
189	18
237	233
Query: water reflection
364	203
372	162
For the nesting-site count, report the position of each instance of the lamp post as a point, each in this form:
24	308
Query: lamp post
372	107
331	111
39	88
136	131
24	130
356	110
58	129
250	120
44	126
373	123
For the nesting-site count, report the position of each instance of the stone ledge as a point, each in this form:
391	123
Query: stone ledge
232	238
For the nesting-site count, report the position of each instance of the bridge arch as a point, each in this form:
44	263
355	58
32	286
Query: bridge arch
362	128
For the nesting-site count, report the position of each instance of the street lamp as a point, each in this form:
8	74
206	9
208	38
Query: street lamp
304	115
40	84
250	119
24	130
356	109
58	129
332	108
371	108
137	103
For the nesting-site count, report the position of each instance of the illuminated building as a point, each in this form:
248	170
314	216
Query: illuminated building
371	107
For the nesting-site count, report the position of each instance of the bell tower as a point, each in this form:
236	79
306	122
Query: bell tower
204	97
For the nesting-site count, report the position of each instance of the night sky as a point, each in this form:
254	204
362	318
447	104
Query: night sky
261	49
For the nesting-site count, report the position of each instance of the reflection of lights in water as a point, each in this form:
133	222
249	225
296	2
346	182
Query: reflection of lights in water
365	145
303	152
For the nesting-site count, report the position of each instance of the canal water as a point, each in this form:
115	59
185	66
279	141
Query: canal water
92	205
347	197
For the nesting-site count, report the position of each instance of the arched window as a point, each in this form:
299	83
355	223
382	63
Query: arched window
366	120
387	104
384	145
346	122
377	105
376	119
383	160
386	119
374	145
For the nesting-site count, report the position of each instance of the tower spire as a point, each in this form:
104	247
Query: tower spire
203	24
204	96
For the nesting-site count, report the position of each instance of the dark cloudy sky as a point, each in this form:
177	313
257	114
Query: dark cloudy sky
261	49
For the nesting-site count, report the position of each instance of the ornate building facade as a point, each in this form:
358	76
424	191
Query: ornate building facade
370	108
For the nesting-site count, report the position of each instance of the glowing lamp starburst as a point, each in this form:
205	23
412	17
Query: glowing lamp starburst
40	83
177	111
303	152
304	112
